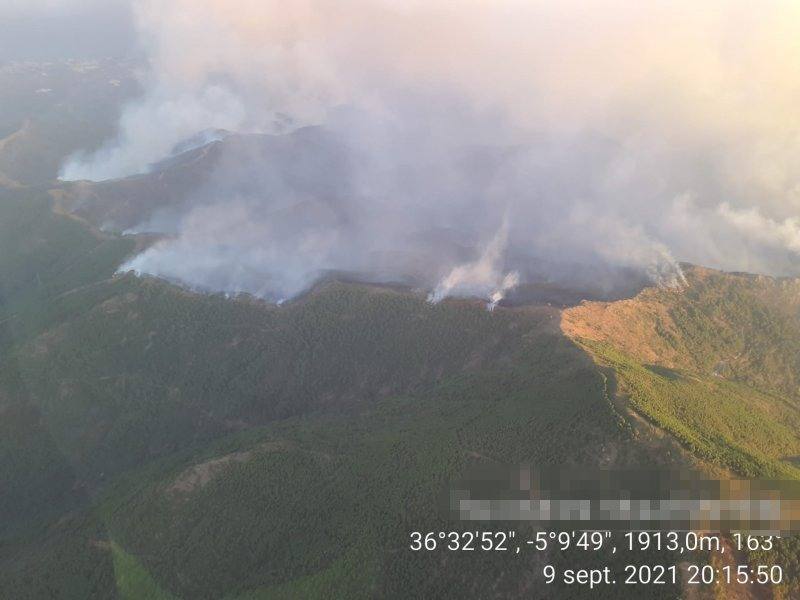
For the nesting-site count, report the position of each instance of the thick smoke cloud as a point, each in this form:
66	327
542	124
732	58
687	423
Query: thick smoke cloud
475	138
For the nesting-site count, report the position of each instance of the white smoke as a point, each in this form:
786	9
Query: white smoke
614	132
170	118
482	278
757	227
259	262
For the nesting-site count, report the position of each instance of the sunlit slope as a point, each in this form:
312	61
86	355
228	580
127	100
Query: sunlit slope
715	362
716	365
736	327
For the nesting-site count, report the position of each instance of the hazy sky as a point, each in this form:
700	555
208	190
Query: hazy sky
49	29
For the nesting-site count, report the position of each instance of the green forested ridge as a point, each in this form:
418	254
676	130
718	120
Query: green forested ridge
354	405
157	443
314	487
154	368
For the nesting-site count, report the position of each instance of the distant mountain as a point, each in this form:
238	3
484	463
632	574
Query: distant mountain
309	164
303	183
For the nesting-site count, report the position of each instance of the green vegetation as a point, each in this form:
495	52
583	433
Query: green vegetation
725	382
743	328
728	424
57	558
355	407
158	443
751	433
317	492
133	582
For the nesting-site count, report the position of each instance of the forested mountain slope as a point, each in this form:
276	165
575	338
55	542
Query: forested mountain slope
715	364
162	443
207	446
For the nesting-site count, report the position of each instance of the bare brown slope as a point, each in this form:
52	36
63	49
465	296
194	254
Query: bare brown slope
736	326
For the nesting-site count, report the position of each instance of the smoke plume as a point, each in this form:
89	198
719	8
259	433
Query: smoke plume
457	144
483	277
